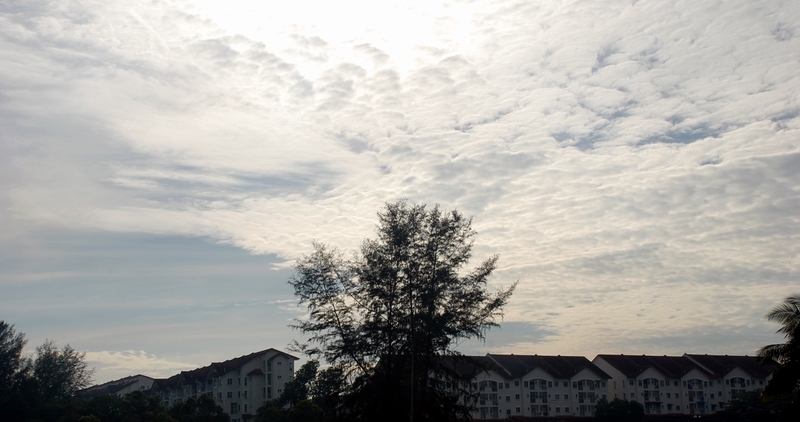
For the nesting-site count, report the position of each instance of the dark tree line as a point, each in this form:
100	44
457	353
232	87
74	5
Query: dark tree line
44	387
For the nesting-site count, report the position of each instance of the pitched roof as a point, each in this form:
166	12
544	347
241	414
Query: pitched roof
561	367
721	365
670	366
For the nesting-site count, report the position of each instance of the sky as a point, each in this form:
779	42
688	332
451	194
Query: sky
635	165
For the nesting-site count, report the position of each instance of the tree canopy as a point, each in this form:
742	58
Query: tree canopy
387	316
785	381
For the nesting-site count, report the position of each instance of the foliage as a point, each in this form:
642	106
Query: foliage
306	411
785	381
39	387
202	409
388	316
11	359
133	407
60	373
749	407
619	410
327	390
297	389
268	412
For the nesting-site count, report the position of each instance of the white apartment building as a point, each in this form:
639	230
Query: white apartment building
688	384
240	385
531	385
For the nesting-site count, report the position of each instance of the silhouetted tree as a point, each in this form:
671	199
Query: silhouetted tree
785	381
306	411
618	410
388	316
60	373
297	389
268	412
202	409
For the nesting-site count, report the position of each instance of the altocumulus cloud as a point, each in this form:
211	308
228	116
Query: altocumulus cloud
635	164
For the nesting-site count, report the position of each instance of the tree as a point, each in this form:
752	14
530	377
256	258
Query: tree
11	359
297	389
785	381
748	407
60	373
306	411
201	409
389	315
268	412
618	410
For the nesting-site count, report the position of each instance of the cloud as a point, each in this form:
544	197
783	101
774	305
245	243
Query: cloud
111	365
610	153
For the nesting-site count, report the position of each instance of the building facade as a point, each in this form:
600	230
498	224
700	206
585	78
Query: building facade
531	385
688	384
240	385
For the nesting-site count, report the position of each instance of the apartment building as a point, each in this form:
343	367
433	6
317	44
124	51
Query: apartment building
688	384
120	387
238	385
532	385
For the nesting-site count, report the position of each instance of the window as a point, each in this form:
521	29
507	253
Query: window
245	394
269	365
238	394
525	384
507	386
566	383
516	383
508	411
516	396
269	392
264	392
280	376
220	396
230	381
240	380
669	395
675	383
233	408
630	381
280	363
557	397
558	410
245	381
245	408
760	382
566	410
230	394
518	410
508	398
500	384
632	396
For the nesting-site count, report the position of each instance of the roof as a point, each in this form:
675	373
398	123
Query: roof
561	367
634	365
721	365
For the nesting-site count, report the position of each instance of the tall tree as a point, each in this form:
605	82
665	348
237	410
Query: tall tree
11	359
785	380
60	373
388	316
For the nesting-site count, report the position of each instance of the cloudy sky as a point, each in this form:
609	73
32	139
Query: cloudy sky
635	164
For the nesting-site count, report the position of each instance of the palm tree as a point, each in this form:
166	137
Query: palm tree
788	314
785	381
